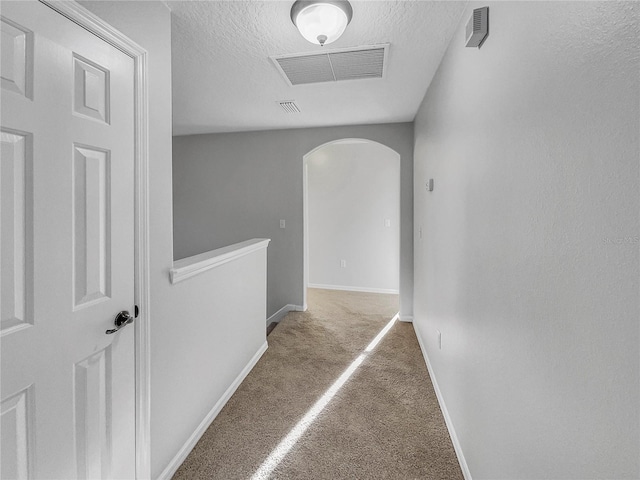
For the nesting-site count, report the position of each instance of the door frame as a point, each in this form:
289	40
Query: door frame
94	24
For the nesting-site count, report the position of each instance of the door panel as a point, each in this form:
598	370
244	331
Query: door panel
91	225
16	240
17	435
67	249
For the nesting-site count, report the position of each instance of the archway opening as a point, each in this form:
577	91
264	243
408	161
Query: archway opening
352	217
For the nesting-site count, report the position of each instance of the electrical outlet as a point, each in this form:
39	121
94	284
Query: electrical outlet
343	263
439	336
282	223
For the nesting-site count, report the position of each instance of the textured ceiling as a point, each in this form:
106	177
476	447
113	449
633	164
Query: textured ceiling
224	81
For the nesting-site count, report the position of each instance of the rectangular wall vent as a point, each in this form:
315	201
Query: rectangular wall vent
477	27
333	65
289	106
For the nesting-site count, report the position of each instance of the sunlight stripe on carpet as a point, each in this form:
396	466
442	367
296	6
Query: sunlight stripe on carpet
287	443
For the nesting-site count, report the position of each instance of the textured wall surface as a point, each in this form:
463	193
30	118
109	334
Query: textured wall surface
353	189
232	187
529	260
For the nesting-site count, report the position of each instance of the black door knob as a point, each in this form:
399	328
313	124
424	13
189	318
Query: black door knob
122	319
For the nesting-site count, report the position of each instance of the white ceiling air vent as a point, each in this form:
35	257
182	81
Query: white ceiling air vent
333	65
289	106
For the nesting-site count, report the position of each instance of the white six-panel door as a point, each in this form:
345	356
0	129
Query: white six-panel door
67	250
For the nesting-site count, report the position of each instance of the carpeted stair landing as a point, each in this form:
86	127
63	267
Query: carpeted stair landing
384	422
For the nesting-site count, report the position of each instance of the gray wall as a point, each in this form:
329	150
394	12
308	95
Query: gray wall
235	186
352	189
529	262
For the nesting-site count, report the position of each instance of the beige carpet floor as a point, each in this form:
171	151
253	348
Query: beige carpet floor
384	422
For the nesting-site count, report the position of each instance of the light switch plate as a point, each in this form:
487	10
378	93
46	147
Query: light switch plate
430	185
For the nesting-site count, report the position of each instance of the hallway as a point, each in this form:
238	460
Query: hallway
336	395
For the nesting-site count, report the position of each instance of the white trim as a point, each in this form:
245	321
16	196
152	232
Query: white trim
354	289
182	454
305	228
445	413
94	24
190	266
406	318
280	314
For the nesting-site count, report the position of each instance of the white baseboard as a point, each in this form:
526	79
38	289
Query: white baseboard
354	289
445	413
406	318
280	314
182	454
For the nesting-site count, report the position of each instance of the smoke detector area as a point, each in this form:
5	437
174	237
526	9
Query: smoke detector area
477	29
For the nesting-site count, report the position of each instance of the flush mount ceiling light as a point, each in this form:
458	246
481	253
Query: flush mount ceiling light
321	21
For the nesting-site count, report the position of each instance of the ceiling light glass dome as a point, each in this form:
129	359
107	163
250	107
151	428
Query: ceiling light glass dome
321	22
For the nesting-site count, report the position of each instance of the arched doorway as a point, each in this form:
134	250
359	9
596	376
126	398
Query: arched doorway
351	191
